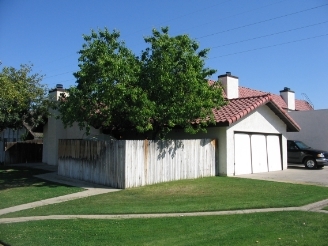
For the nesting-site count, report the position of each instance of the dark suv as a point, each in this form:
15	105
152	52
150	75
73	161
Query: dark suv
298	152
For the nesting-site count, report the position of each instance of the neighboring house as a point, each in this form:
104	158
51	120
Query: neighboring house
314	130
251	130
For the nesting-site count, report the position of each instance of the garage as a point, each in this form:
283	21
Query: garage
257	153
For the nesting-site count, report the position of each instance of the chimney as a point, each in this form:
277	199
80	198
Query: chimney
54	94
230	85
289	98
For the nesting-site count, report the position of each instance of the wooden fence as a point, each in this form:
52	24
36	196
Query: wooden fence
133	163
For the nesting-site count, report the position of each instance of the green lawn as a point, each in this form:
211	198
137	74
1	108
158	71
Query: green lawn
18	186
205	194
277	228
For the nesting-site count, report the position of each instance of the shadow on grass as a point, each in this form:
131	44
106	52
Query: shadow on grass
15	177
3	244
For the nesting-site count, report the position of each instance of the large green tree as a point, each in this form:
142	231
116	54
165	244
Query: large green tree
107	94
176	81
166	87
23	99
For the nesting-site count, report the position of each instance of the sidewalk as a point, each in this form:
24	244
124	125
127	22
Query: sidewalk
313	207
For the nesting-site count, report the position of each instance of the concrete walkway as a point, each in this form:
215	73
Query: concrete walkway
313	207
94	189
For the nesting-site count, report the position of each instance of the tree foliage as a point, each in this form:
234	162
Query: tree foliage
22	97
107	94
165	87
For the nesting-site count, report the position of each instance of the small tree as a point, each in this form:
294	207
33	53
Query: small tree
22	98
166	87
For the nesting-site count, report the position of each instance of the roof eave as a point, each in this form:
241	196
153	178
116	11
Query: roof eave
237	117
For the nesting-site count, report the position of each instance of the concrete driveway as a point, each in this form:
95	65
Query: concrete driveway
294	174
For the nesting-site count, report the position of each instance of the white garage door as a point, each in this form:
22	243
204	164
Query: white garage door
274	153
259	154
256	153
243	161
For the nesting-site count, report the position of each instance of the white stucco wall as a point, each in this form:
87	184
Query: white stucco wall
314	128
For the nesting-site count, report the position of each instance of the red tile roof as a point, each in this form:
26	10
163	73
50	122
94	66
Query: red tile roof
240	107
279	101
248	92
249	100
300	105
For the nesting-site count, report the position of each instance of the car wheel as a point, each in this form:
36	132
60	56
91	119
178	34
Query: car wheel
310	163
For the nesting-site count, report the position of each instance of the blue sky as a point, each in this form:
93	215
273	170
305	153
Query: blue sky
268	44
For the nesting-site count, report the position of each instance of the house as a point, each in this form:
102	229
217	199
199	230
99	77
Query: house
314	130
54	130
250	130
